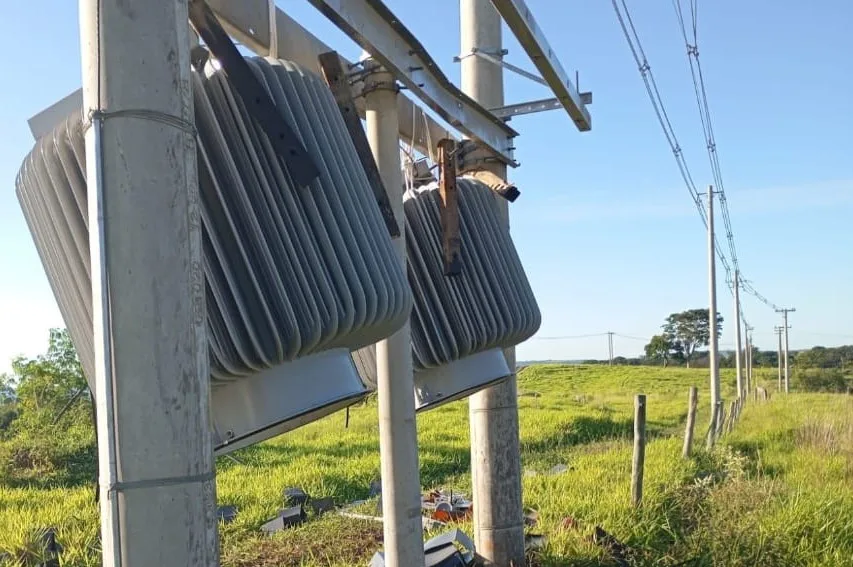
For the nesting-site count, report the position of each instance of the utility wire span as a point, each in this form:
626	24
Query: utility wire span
632	37
568	337
589	336
636	46
710	142
629	337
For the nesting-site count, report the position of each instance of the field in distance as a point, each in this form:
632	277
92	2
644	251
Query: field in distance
778	490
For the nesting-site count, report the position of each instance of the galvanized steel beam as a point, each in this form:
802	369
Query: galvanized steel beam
523	25
377	30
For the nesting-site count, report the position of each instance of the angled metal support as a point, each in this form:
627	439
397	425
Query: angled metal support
449	206
523	25
336	78
491	58
254	95
510	110
376	29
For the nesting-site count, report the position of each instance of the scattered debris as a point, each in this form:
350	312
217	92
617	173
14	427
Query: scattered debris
450	549
226	514
375	489
530	472
447	507
559	469
533	542
430	524
569	523
531	517
295	497
287	517
51	547
618	550
322	505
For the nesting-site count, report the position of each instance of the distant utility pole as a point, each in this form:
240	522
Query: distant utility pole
778	331
785	327
738	345
713	362
610	346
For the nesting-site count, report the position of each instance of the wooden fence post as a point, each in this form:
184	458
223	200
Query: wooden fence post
693	401
732	415
639	449
721	418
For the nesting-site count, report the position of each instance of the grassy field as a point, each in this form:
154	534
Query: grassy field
777	492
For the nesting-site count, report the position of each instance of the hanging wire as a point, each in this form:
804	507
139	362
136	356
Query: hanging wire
636	46
708	130
632	37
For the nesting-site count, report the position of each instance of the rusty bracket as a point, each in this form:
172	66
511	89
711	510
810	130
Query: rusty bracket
450	237
338	81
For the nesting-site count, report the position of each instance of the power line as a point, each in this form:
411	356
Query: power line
636	46
710	142
632	337
568	337
632	37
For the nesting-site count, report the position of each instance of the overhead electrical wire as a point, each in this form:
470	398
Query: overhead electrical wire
632	37
636	46
711	144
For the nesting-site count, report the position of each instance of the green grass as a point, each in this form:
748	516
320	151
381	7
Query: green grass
778	492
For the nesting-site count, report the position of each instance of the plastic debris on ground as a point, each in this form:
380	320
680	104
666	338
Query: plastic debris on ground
450	549
226	514
286	518
445	506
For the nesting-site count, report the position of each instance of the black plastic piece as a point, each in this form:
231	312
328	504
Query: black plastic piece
295	497
226	514
287	518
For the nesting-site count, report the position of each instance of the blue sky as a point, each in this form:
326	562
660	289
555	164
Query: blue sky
605	227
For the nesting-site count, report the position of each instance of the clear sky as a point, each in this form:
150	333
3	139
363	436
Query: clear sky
605	227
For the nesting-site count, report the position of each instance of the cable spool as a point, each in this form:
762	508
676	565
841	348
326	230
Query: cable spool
461	324
295	277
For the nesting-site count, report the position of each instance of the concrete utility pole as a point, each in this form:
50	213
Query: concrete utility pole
778	331
785	327
398	435
610	346
155	452
495	450
741	387
713	362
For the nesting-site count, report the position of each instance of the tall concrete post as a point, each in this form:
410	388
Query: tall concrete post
398	435
741	387
713	360
779	358
495	451
787	367
155	453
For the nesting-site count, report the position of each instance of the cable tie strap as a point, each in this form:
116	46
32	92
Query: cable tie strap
159	482
142	114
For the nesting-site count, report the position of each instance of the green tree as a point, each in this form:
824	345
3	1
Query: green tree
690	330
51	386
660	349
